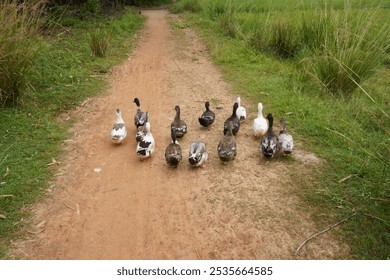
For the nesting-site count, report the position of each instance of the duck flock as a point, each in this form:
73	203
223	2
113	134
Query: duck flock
270	143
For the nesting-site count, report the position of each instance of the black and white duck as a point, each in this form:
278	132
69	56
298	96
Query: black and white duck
260	124
234	119
141	130
269	141
241	111
227	147
118	132
197	154
208	116
285	140
140	116
178	124
173	153
145	146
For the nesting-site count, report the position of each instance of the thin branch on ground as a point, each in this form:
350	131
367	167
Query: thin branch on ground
323	231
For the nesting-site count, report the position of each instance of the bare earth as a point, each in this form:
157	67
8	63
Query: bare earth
135	209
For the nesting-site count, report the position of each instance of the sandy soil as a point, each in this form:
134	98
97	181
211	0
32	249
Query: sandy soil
135	209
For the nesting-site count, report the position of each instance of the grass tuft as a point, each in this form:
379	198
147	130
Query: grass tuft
99	41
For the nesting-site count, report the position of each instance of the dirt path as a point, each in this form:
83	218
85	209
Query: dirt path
147	210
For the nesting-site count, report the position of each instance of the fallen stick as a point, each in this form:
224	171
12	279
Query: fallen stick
68	206
375	217
380	199
6	195
323	231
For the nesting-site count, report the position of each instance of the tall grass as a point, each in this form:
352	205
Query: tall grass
19	23
343	49
338	46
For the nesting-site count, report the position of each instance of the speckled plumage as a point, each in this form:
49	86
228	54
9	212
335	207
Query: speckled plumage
118	132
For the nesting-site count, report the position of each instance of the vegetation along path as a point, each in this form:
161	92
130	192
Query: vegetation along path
107	204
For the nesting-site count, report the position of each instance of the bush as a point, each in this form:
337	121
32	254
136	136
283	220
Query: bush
19	23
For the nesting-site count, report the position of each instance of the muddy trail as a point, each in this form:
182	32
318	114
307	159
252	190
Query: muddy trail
105	203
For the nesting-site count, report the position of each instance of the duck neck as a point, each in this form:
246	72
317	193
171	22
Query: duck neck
235	109
271	122
177	117
259	111
283	126
173	135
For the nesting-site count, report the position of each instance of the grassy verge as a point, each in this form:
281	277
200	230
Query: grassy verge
349	132
65	72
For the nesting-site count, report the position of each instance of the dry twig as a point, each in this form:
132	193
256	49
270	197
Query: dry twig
323	231
6	195
375	217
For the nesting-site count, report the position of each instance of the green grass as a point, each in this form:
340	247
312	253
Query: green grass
65	72
350	133
19	24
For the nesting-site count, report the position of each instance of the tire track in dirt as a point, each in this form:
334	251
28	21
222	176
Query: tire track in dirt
146	210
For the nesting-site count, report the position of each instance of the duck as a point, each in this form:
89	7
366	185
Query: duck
173	153
197	154
118	132
285	140
260	124
241	112
269	142
140	116
208	116
227	147
178	124
234	119
145	146
141	130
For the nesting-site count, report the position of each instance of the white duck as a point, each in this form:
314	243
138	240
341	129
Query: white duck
118	132
260	124
240	112
285	140
145	146
197	154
